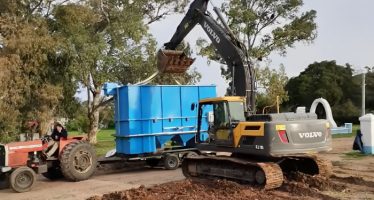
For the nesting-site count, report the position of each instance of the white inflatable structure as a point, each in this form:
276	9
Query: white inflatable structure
327	108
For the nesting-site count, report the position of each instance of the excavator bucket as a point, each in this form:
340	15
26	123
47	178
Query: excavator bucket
170	61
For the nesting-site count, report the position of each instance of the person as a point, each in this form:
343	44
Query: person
59	132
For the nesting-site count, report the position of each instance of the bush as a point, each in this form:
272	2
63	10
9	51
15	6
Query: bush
7	137
81	124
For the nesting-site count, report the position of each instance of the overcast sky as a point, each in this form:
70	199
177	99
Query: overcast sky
345	34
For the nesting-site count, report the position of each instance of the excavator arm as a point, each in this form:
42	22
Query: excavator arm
225	43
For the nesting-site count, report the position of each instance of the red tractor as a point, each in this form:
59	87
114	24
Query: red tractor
73	158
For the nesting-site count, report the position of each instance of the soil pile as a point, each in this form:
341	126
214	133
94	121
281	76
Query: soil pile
300	187
313	182
188	189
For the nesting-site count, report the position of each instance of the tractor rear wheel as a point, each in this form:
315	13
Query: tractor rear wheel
78	161
22	179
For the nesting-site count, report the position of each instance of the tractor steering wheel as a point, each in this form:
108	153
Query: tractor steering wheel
46	138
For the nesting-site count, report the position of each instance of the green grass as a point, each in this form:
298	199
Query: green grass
355	127
105	140
104	146
355	155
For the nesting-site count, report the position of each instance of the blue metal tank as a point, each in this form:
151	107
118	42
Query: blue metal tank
149	116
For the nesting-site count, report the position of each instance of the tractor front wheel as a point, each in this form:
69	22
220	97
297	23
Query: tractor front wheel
78	161
22	179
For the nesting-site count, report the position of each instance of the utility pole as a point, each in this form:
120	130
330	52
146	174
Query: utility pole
363	95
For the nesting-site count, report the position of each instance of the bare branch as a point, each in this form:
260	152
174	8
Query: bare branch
252	4
103	104
106	15
63	2
158	17
48	9
264	26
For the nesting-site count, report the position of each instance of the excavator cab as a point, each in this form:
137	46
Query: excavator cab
226	114
172	61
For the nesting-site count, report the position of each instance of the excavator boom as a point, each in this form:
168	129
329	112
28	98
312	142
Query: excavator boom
232	52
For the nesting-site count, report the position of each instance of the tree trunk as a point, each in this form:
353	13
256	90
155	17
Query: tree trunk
94	126
45	126
93	115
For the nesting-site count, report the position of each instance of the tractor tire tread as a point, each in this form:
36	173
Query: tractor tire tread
65	159
13	182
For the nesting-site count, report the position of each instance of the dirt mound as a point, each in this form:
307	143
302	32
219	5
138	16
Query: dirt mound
318	182
300	187
354	180
195	189
296	186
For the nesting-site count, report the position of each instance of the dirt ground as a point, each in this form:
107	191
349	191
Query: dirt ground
103	182
353	170
353	179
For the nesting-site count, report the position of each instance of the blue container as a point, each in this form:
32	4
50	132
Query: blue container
147	116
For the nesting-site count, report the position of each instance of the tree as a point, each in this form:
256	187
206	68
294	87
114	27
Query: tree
264	26
33	88
328	80
273	83
10	100
109	41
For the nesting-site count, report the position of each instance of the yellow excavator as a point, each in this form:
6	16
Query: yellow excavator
259	148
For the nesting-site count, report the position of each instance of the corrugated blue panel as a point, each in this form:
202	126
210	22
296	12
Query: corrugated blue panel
171	108
189	102
121	111
129	111
134	102
136	145
151	109
189	105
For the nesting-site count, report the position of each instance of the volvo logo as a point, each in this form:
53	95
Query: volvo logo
211	32
310	135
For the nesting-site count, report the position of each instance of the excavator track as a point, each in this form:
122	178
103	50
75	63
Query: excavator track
308	164
267	175
274	175
324	167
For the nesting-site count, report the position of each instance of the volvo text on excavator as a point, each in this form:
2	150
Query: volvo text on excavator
261	148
